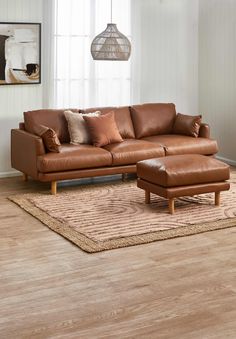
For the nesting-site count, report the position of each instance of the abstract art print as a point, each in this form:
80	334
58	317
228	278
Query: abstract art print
20	53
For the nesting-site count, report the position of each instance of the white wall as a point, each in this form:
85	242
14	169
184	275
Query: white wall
15	99
167	52
217	71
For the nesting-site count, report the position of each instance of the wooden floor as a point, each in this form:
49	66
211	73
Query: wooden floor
182	288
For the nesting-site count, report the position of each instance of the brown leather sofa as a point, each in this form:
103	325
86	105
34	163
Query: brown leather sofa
146	130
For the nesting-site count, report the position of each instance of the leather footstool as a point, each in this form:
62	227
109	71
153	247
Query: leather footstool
182	175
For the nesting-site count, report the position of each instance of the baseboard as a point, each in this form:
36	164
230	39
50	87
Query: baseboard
228	161
10	174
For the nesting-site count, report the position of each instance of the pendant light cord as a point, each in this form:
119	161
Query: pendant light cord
111	11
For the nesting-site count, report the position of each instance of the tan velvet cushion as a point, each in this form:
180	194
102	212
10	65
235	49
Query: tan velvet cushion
49	137
77	127
187	125
103	129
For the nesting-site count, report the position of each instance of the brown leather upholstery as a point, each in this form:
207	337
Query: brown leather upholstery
72	157
25	149
187	125
22	126
204	131
181	170
122	117
87	172
181	144
131	151
152	119
180	191
75	161
53	118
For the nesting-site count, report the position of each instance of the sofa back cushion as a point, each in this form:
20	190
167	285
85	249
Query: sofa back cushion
52	118
153	119
122	118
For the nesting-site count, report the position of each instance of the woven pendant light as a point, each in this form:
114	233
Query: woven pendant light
111	44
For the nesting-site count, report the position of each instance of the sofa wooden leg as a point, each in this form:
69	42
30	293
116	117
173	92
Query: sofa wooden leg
54	187
171	203
25	177
124	176
147	197
217	198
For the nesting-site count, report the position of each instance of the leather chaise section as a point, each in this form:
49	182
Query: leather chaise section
72	157
130	151
181	170
180	144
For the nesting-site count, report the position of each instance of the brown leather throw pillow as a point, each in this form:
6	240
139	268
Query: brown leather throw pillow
187	125
103	129
49	137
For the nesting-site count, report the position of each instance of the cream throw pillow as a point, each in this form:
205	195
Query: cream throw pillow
77	127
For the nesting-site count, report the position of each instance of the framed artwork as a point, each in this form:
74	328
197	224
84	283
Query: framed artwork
20	53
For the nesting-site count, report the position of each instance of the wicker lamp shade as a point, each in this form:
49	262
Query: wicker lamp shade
111	45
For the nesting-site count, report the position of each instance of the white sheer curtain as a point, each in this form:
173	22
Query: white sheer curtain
79	81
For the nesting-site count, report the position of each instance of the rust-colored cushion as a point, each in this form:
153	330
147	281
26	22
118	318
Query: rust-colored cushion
122	118
152	119
187	125
103	129
49	137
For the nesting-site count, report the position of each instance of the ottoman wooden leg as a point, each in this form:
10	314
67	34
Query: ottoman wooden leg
147	197
217	198
171	203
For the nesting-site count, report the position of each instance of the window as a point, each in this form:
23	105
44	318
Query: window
79	81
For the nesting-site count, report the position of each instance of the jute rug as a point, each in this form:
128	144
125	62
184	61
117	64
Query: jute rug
107	216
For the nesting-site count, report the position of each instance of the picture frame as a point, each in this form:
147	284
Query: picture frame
20	53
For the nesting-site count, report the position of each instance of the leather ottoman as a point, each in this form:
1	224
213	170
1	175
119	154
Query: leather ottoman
182	175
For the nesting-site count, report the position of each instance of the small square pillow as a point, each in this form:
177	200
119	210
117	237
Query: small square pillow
187	125
77	127
103	129
49	137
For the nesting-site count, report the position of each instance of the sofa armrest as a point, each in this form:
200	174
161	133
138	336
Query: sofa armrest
204	131
25	148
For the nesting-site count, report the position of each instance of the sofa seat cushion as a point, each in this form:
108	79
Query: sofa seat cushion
72	157
180	144
130	151
122	118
